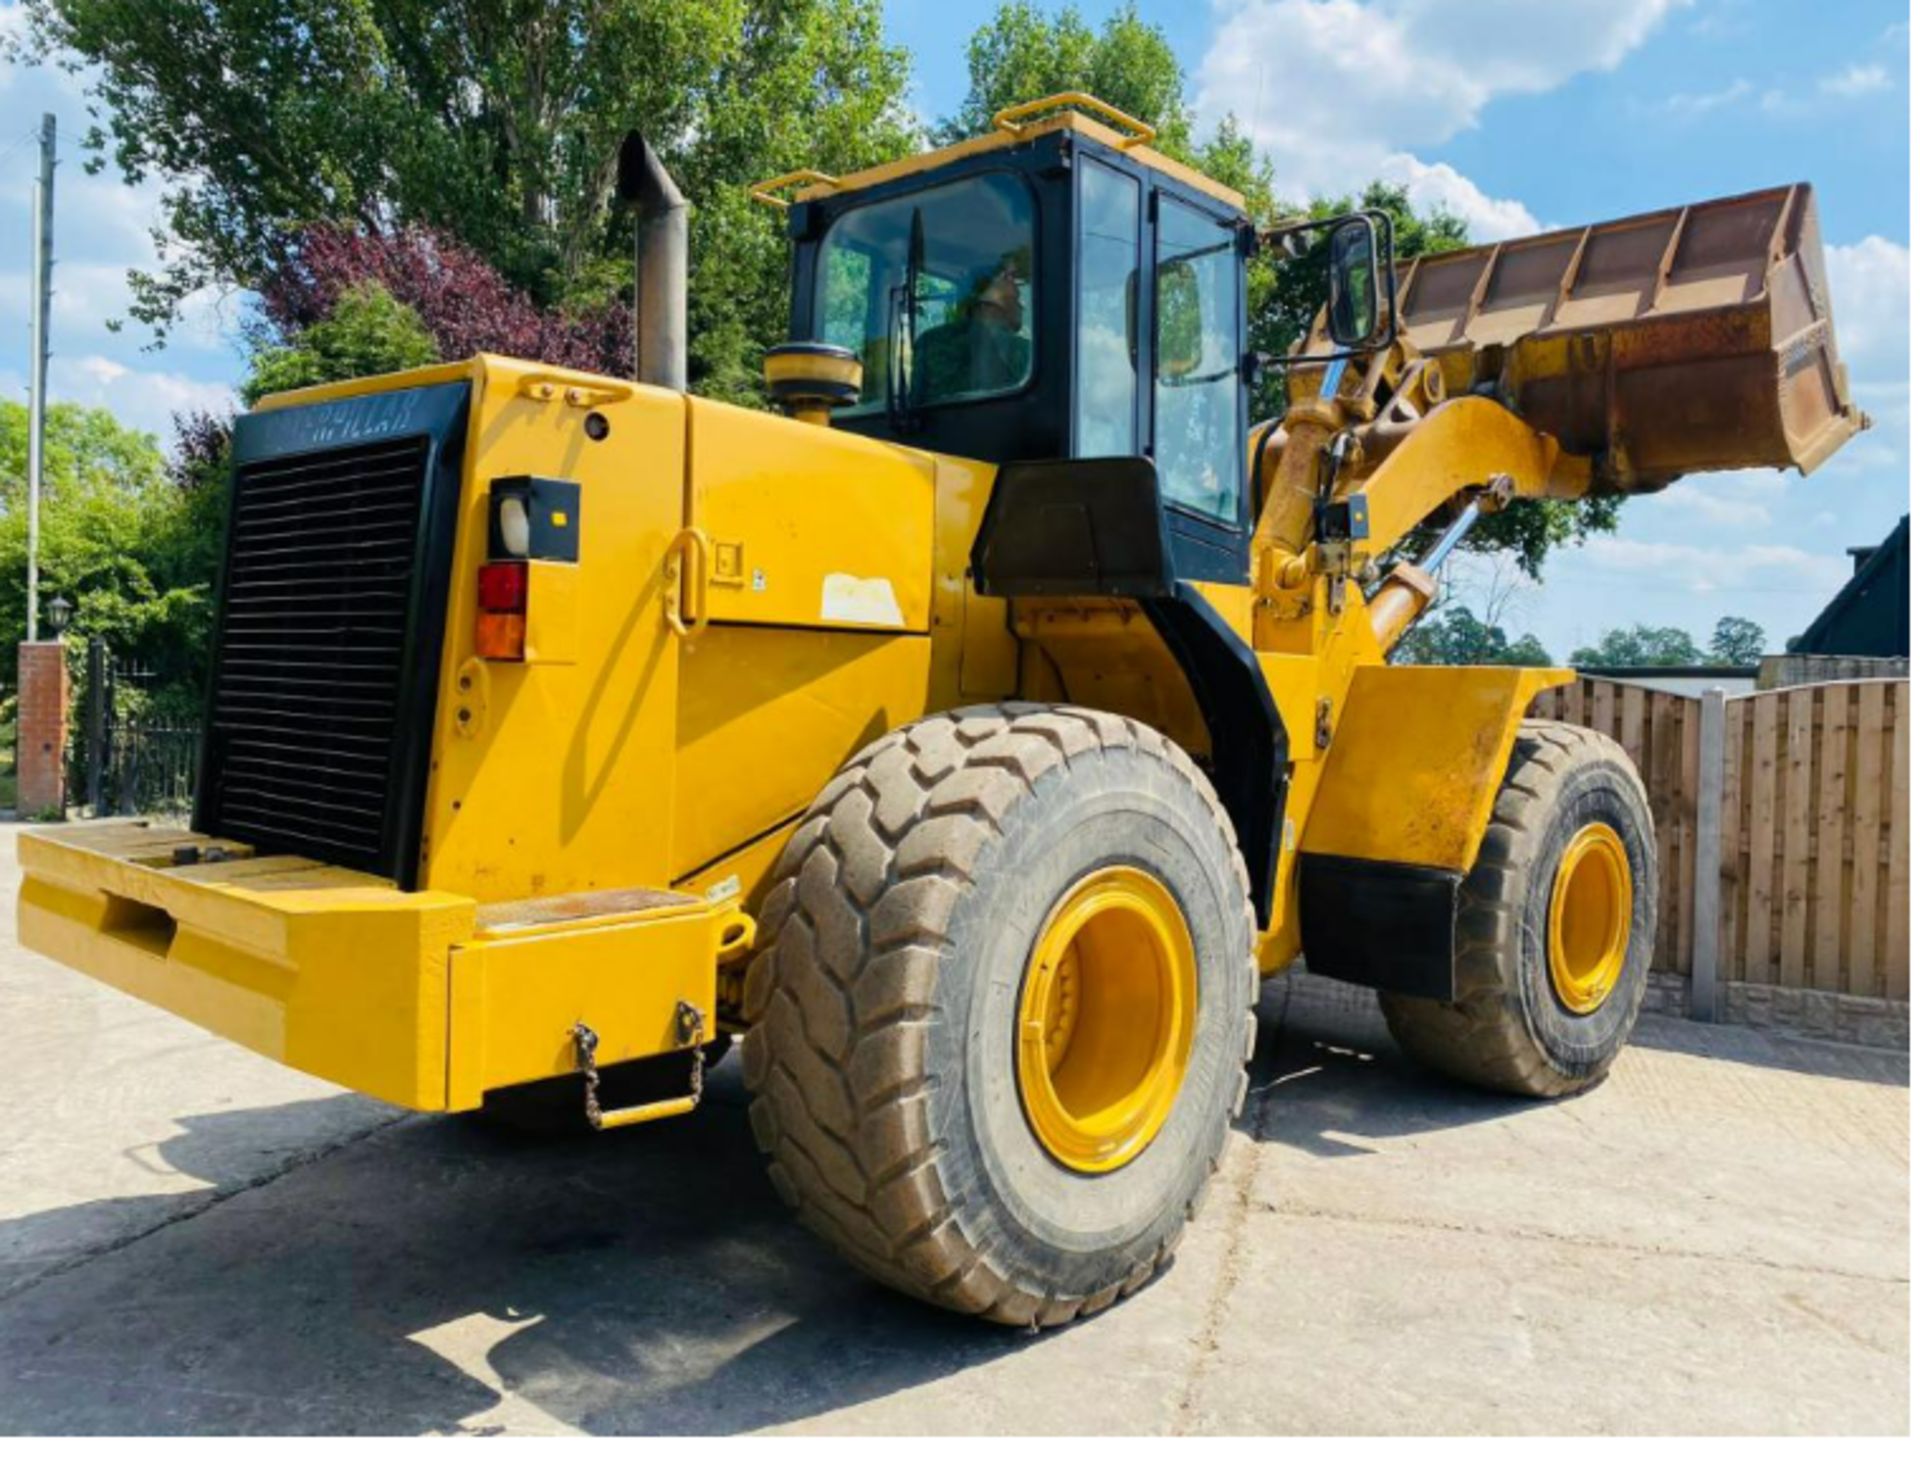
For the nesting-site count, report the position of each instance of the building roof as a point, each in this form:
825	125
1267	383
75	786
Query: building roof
1868	617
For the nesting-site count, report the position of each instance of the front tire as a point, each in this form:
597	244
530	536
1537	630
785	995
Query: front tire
1554	931
1002	1013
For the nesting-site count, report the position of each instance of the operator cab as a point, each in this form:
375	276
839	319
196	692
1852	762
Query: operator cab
1053	291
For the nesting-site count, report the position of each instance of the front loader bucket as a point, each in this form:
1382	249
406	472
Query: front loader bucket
1696	339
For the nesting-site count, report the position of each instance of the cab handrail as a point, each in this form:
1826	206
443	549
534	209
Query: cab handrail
1009	118
765	192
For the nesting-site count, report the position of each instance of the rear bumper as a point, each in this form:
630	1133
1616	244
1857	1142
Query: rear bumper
402	995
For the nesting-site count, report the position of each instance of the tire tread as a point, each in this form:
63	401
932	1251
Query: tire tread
840	994
1482	1037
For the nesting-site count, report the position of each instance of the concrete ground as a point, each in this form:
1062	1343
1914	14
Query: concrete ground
194	1240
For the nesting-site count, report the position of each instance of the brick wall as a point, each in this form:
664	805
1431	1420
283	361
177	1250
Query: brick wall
41	752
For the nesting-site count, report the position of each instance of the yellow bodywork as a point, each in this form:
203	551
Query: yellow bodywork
831	606
756	598
1412	776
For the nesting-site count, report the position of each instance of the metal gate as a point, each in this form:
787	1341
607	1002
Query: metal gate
126	759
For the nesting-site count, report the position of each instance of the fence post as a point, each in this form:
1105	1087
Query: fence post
40	729
96	723
1705	971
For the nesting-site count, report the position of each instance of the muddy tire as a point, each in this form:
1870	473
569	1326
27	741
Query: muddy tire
1547	1000
889	1005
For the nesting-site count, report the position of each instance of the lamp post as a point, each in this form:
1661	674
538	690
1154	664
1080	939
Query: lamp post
59	614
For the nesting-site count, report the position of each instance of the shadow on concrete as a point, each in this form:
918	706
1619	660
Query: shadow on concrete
640	1282
226	1152
1326	1071
647	1281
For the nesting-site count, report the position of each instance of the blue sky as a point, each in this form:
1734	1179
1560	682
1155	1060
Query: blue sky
1520	114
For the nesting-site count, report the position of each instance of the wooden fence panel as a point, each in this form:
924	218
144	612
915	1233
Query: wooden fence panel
1758	954
1866	948
1833	749
1813	855
1734	802
1895	961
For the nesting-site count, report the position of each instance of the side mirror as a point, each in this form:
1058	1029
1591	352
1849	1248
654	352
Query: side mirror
1343	268
1353	283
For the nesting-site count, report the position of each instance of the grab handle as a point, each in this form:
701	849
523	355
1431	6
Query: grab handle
686	585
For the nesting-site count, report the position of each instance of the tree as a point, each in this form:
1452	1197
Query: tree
1737	642
1022	53
1640	646
494	123
1458	636
1301	287
462	302
129	545
366	331
1528	529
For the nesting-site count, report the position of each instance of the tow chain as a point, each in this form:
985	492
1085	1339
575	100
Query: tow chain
689	1026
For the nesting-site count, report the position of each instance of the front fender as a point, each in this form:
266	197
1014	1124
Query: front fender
1408	788
1413	769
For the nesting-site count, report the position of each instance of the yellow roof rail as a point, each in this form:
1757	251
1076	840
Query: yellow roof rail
1009	118
764	192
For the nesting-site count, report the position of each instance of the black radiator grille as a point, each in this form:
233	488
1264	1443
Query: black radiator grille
313	636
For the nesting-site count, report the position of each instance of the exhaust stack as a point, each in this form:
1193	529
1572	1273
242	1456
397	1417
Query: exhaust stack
659	265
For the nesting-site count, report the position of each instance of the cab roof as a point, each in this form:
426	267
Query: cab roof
1011	128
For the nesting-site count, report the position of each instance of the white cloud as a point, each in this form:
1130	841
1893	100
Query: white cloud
1716	501
1870	282
1856	81
1699	103
1720	21
98	367
145	399
1437	185
1718	568
1366	83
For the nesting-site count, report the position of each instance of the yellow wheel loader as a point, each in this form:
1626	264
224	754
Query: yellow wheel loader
973	737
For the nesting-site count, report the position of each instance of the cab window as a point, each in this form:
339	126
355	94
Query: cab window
1196	373
966	333
1105	347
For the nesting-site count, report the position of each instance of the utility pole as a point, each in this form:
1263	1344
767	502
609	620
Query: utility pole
37	366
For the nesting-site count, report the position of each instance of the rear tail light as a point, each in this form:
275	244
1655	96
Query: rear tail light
500	629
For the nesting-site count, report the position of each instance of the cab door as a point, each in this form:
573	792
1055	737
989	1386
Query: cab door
1197	393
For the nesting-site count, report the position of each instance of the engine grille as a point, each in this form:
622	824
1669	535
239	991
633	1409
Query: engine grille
308	690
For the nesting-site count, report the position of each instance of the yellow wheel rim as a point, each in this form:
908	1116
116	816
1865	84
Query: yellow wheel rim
1106	1019
1590	920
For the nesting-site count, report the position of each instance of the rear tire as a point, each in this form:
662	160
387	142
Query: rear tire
894	1022
1539	1013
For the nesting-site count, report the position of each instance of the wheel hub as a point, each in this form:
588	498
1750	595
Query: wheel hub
1590	919
1106	1019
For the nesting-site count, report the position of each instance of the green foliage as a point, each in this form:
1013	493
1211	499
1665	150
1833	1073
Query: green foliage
368	332
1737	642
1456	636
1641	646
1300	286
1527	529
1022	54
497	122
132	549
